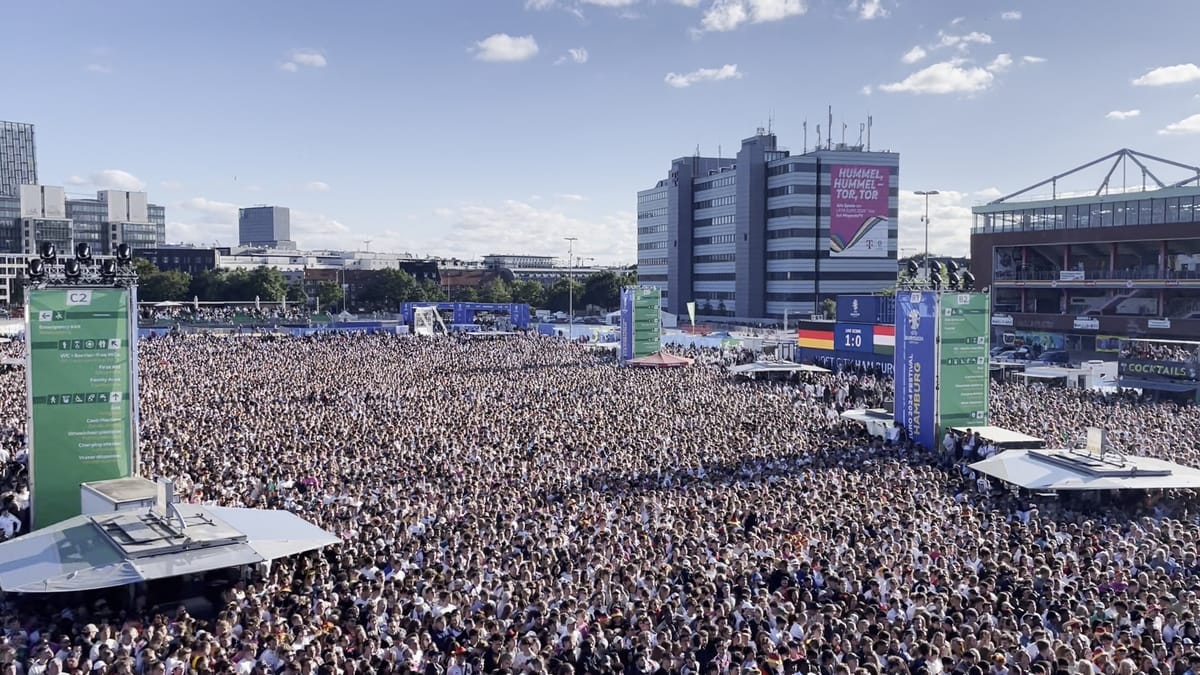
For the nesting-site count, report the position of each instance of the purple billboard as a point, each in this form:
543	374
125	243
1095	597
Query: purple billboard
858	210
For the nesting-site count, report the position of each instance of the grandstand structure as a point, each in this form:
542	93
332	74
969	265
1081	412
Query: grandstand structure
1122	260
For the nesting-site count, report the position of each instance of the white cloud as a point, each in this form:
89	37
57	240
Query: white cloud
1123	114
1191	125
1001	63
610	3
571	197
576	55
502	47
1158	77
957	20
539	4
316	186
866	90
947	77
915	54
949	223
727	15
964	41
686	3
1011	16
868	9
303	58
199	220
99	68
1033	59
109	179
476	230
728	71
170	185
319	231
989	194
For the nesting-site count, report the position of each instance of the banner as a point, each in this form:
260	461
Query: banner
963	332
1158	370
626	324
854	338
858	211
691	307
82	394
915	359
647	321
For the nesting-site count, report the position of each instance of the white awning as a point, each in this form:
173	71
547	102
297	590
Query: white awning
89	552
1056	470
1003	437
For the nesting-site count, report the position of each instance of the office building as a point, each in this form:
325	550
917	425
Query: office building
18	158
194	260
515	261
266	227
749	237
1082	272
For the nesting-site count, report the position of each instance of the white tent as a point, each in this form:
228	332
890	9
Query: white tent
125	547
1065	470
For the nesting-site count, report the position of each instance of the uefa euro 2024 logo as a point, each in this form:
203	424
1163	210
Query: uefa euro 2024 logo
914	320
854	307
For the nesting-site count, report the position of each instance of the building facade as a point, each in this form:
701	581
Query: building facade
1077	273
18	158
266	226
515	261
194	260
749	237
44	213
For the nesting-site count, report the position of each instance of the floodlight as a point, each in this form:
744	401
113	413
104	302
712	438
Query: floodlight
83	252
48	252
72	269
35	269
124	254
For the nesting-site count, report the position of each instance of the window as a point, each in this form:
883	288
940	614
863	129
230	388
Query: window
715	239
714	276
652	229
715	257
792	190
652	213
793	233
715	201
651	245
791	211
792	255
723	181
715	220
649	262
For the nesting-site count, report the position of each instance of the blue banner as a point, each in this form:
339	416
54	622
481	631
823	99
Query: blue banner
916	359
626	324
842	360
854	338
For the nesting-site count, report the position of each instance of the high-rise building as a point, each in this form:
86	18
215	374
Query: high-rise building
765	233
18	158
265	226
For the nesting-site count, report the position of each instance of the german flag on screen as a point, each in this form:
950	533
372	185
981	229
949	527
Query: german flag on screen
885	339
815	339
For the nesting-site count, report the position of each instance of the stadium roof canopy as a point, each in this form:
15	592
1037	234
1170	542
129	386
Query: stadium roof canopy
1075	470
124	547
1141	167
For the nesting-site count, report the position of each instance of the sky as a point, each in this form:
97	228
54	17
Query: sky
468	127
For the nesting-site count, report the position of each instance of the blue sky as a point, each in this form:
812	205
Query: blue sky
458	127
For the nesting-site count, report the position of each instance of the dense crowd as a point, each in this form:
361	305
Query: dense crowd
221	314
1159	351
527	506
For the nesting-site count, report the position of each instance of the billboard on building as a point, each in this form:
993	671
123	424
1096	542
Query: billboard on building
858	210
854	337
82	394
916	364
641	322
963	330
858	308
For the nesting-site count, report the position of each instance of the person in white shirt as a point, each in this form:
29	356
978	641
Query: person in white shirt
10	525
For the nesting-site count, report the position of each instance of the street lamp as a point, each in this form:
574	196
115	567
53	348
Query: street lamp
926	194
571	286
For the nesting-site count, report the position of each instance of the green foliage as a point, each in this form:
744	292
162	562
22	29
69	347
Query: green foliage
295	293
329	294
386	289
602	289
496	291
155	285
829	308
529	292
558	295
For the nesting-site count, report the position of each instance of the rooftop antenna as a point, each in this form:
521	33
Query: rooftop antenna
367	245
843	133
829	140
805	126
818	136
718	154
870	121
771	122
861	127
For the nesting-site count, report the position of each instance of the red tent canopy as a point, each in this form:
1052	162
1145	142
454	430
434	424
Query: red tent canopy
660	360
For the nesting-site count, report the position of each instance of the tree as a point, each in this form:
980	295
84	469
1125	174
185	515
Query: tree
829	308
496	291
466	294
209	285
329	294
268	284
388	288
164	286
529	292
295	293
558	296
144	268
602	289
430	291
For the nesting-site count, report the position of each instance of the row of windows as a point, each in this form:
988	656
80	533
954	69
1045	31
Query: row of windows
789	211
792	254
649	262
812	275
792	190
652	213
713	295
715	201
723	181
793	233
715	239
652	229
715	276
652	197
652	277
715	220
791	297
651	245
715	257
1111	214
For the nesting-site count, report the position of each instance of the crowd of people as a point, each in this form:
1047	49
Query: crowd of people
526	505
188	314
1159	351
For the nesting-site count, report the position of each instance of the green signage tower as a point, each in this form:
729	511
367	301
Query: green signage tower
963	332
82	387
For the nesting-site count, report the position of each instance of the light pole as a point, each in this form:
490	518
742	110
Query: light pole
926	194
571	286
